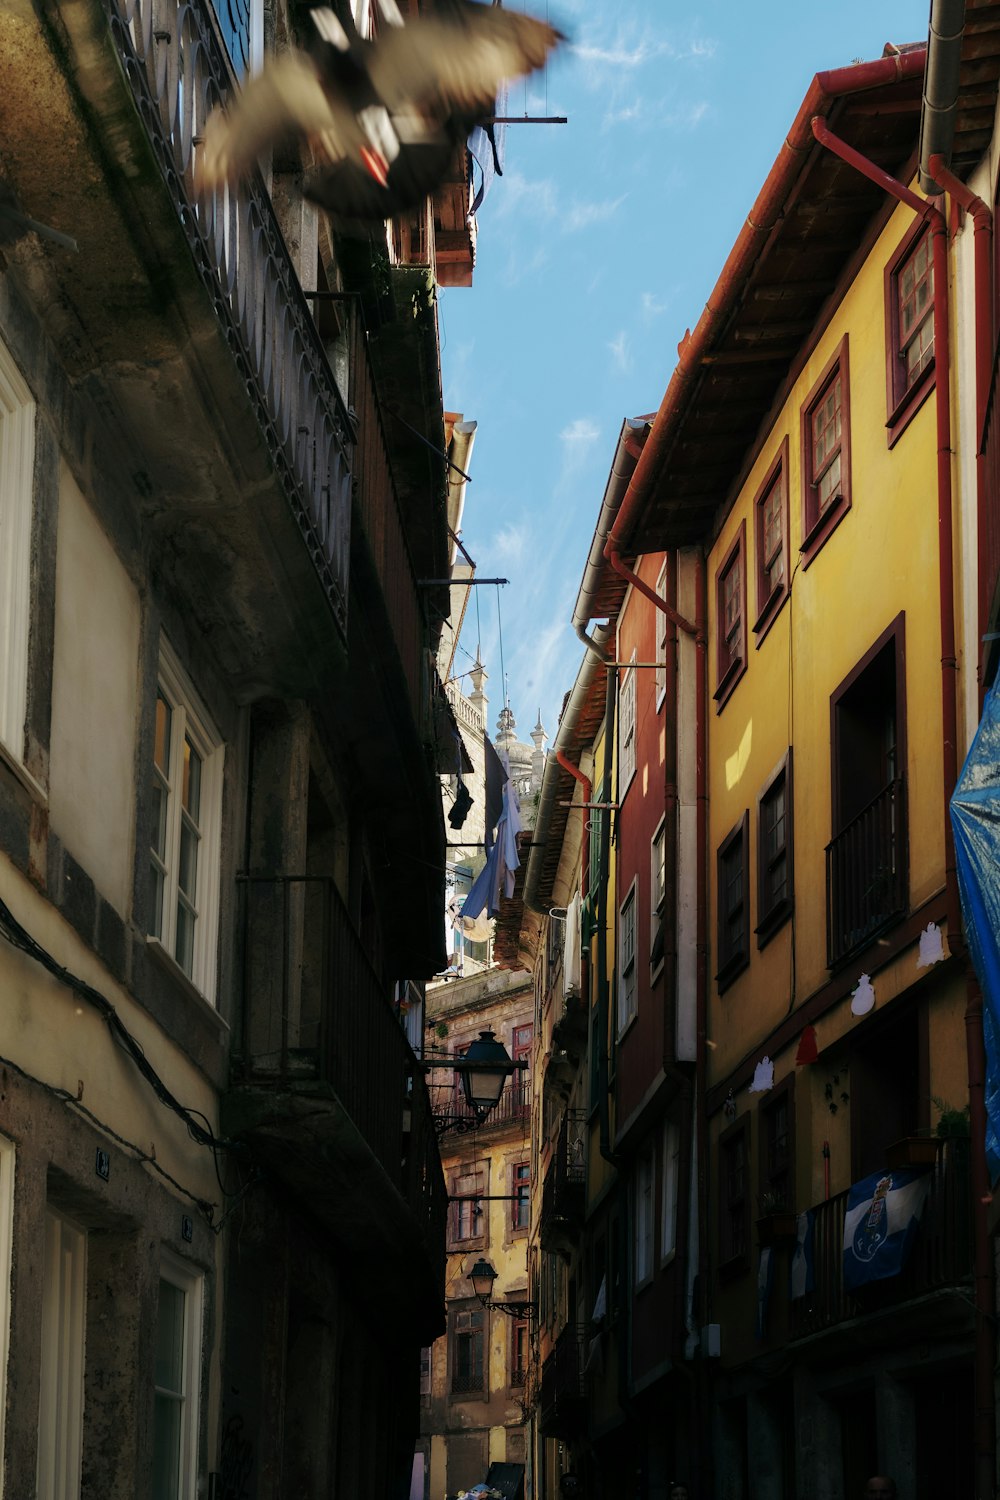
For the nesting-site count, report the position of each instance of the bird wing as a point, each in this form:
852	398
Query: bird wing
456	60
285	100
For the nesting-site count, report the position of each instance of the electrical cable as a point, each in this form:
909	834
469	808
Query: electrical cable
20	938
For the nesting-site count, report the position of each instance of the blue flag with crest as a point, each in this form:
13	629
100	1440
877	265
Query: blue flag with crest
880	1224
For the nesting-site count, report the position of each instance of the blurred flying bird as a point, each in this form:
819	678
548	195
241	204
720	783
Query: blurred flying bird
382	117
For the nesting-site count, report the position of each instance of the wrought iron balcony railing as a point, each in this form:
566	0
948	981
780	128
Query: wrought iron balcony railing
563	1392
177	67
941	1256
315	1010
564	1184
866	874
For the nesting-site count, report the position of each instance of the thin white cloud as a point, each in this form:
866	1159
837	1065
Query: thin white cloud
515	193
620	352
510	543
652	306
629	114
582	215
580	434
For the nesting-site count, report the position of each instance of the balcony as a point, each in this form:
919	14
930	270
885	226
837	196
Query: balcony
564	1187
563	1394
327	1089
513	1109
866	874
941	1256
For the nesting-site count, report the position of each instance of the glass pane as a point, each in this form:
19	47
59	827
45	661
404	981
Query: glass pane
184	944
155	902
191	795
166	1447
169	1367
187	873
158	840
161	736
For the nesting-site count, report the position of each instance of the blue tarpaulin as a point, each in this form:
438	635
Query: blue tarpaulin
975	818
486	147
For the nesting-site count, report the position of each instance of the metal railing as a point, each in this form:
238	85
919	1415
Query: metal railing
866	874
378	505
314	1009
941	1255
513	1108
562	1391
563	1187
177	68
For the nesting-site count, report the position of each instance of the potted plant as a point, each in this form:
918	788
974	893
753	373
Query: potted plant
776	1224
953	1124
912	1151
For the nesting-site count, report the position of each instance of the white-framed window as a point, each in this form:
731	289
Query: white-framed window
669	1190
644	1189
626	960
661	640
60	1385
658	871
177	1381
17	460
626	729
185	830
6	1265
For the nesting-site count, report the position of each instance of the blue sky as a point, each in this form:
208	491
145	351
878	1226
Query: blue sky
597	248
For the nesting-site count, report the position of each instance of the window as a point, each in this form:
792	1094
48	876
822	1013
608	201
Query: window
626	729
670	1188
657	893
733	914
176	1380
242	25
826	455
520	1083
867	868
909	327
643	1207
771	534
734	1195
774	852
626	961
777	1146
730	605
425	1371
519	1352
661	640
60	1388
520	1208
185	827
17	454
468	1351
468	1222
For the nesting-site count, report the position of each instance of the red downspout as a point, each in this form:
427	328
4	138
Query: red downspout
585	782
975	1050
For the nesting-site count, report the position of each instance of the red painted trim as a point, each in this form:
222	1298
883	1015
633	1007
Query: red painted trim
902	402
729	670
769	604
816	528
824	91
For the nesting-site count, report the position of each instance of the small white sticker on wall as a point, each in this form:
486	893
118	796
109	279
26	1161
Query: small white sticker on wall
931	946
763	1077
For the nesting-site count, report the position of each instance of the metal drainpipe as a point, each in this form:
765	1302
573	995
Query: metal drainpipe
941	83
585	782
985	1420
704	1311
601	911
982	221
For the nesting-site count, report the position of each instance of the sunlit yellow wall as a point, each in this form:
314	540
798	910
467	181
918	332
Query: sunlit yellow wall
881	559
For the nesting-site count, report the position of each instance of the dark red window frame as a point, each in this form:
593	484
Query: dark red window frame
732	882
520	1187
816	525
776	1138
731	618
773	911
771	499
734	1197
904	397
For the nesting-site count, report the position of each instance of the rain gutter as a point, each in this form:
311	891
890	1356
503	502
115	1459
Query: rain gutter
631	440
